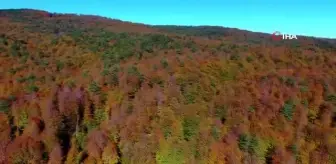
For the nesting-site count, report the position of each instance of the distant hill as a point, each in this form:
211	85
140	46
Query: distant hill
214	32
241	35
89	89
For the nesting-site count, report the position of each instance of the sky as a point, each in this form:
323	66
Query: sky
297	17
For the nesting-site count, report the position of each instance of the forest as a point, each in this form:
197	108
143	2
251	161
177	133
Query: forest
88	89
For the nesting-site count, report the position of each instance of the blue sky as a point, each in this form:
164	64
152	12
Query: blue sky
300	17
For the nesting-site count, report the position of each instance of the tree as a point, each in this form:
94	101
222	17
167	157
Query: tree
190	127
110	154
288	109
4	105
24	150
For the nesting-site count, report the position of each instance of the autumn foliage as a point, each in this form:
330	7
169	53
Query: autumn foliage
88	89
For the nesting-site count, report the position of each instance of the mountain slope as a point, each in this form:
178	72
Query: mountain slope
76	88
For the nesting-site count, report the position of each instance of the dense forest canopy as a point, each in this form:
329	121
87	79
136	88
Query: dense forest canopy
89	89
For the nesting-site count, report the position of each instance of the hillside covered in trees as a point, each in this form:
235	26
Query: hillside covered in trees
87	89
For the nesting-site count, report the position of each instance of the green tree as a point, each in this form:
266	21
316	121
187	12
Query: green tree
243	142
190	127
288	109
32	88
133	70
164	63
4	105
94	87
